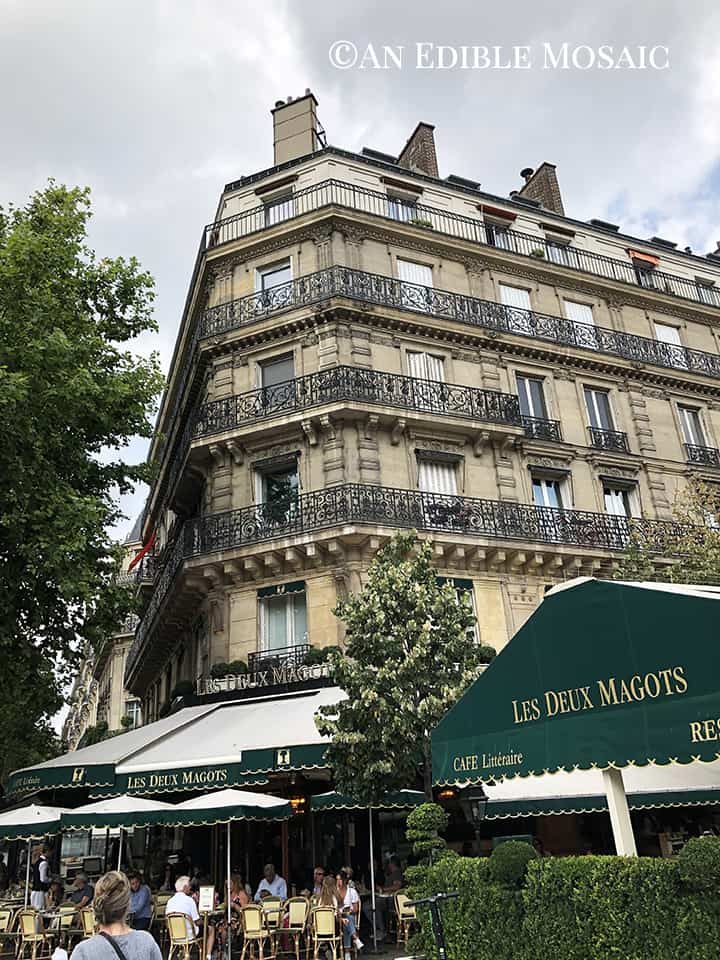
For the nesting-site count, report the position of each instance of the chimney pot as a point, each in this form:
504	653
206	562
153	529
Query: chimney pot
542	185
526	173
289	100
308	91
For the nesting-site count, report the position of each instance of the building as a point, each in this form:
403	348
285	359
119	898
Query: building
82	706
367	346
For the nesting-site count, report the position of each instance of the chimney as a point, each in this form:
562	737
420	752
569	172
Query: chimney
542	185
419	152
295	128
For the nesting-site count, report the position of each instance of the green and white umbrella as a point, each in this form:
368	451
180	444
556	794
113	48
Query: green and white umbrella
33	822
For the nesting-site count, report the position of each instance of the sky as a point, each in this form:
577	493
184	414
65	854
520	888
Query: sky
156	104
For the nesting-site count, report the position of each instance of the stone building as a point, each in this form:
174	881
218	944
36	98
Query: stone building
367	346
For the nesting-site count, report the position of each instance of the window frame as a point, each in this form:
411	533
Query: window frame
268	269
527	378
588	388
263	621
685	409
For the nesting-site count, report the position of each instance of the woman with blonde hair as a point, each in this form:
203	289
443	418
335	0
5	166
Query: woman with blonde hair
112	905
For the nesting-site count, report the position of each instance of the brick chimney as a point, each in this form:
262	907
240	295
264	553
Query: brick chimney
542	185
296	131
419	152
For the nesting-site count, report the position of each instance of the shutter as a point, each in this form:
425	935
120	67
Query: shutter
579	313
415	273
434	477
514	297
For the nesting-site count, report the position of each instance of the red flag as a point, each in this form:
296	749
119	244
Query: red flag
138	556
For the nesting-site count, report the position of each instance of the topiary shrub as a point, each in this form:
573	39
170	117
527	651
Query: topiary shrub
509	861
314	656
218	670
237	668
699	864
486	653
424	824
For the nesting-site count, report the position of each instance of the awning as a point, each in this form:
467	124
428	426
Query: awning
604	674
121	811
228	805
582	791
397	800
206	747
32	822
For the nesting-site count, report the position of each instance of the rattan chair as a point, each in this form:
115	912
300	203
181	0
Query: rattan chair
180	928
298	909
324	932
406	917
32	935
88	923
158	922
8	931
66	928
255	931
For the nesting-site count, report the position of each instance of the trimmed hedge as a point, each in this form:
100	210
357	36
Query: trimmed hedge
574	908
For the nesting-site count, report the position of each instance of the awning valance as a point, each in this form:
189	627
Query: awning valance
397	800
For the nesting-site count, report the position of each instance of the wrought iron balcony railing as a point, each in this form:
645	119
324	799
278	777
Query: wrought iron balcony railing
392	507
292	656
704	456
337	193
536	428
363	386
613	440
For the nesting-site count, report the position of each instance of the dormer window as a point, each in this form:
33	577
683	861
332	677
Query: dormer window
402	207
279	207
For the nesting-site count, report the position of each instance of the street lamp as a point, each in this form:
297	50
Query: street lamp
474	805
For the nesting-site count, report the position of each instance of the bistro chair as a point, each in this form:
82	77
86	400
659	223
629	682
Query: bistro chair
406	917
8	932
87	922
255	931
179	927
298	909
158	918
66	924
324	932
32	935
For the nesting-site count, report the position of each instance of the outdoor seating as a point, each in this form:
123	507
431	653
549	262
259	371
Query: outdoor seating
298	909
255	931
87	922
406	917
324	932
66	924
273	909
179	927
157	922
8	933
32	935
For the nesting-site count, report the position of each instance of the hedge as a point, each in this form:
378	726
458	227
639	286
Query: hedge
574	908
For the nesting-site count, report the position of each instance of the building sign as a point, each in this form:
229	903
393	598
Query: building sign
272	676
43	778
602	674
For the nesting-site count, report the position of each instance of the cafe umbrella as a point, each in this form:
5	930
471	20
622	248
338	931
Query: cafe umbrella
396	800
33	822
226	806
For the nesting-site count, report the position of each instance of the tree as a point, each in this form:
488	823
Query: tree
71	397
409	656
689	550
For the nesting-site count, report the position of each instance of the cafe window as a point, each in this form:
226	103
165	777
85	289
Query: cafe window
464	593
437	476
283	617
273	275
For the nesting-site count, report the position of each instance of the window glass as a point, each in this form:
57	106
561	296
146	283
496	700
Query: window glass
514	296
667	334
283	621
277	370
280	487
546	493
279	209
415	272
598	407
617	501
532	397
691	426
498	235
579	312
402	208
274	275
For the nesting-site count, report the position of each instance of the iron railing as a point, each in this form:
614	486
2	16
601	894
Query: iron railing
537	428
292	656
393	507
337	193
704	456
613	440
344	383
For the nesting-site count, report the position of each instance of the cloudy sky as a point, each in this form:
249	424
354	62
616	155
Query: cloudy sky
156	104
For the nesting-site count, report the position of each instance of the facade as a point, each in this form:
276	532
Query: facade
82	706
367	347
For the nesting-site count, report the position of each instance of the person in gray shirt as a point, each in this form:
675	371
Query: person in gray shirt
115	940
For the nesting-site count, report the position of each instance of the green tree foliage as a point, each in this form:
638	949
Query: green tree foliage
424	824
409	656
690	550
71	397
699	864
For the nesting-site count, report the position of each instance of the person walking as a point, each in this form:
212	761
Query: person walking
115	940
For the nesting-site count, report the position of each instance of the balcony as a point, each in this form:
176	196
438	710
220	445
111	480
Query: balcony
536	428
293	656
366	504
336	193
359	385
613	441
702	456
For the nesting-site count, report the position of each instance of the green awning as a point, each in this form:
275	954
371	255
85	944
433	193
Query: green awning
121	811
228	805
32	822
603	674
398	800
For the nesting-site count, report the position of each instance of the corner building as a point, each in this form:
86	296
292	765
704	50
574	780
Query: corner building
366	346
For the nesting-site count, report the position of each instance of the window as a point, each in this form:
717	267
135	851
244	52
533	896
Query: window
273	275
645	275
465	594
279	208
283	617
418	273
402	208
277	489
561	253
598	407
498	235
531	394
413	277
582	315
547	493
620	501
514	297
674	352
277	370
666	333
437	476
132	710
425	366
708	293
691	424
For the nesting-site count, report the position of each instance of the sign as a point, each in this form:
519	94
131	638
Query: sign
272	676
282	757
52	777
206	900
603	674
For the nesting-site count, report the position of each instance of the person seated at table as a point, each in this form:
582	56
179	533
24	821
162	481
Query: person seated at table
272	883
82	892
168	884
329	894
140	902
318	878
394	879
182	902
349	900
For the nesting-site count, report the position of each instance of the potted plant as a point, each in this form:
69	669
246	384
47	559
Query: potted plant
421	222
538	253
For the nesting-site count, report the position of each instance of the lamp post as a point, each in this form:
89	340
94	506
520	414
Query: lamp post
474	804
